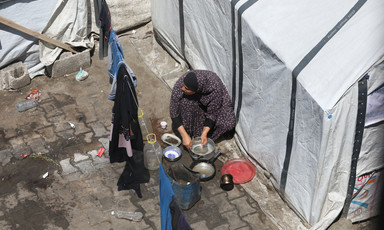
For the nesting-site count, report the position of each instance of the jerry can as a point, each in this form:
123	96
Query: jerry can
153	153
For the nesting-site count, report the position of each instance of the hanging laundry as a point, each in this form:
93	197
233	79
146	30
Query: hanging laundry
126	141
103	21
166	193
134	174
125	119
179	222
115	60
172	217
122	142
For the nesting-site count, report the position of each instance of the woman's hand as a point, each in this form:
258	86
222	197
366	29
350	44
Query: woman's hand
187	141
204	139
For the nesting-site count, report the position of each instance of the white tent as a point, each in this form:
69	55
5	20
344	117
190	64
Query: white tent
65	21
299	73
69	22
17	46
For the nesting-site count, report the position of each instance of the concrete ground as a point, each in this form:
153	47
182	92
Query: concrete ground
72	122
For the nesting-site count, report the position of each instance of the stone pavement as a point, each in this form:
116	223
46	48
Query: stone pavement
69	126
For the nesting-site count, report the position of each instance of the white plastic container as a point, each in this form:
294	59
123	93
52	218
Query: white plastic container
25	105
153	154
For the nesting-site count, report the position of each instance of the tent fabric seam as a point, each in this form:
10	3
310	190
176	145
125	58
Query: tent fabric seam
240	12
359	130
296	71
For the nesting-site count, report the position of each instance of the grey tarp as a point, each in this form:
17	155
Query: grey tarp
17	46
70	22
291	66
65	21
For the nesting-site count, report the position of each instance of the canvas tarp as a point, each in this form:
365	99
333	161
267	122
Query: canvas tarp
17	46
126	14
64	21
70	22
270	52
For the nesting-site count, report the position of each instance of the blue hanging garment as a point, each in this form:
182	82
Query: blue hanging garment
166	193
115	60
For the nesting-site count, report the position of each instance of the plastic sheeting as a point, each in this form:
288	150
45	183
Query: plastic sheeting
375	107
17	46
126	14
368	190
65	21
258	48
71	24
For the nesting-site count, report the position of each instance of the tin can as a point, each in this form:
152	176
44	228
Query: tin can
100	152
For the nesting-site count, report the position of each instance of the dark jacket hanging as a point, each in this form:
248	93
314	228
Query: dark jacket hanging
134	174
103	21
125	119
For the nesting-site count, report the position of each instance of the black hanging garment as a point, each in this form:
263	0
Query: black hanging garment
179	222
103	21
125	121
134	174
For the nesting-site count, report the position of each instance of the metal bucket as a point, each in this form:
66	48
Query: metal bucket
185	184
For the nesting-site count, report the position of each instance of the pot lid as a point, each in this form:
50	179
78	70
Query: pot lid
241	170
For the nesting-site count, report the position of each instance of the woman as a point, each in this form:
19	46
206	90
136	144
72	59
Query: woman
201	106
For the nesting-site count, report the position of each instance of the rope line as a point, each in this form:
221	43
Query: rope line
145	126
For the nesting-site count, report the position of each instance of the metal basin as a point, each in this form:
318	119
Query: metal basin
206	169
199	152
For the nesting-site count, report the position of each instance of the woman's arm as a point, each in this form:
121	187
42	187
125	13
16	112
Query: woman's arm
187	141
204	139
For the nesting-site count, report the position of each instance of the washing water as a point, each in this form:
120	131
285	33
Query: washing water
202	150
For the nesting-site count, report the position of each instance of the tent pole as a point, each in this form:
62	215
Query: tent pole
38	35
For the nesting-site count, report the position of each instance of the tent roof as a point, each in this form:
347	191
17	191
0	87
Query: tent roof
303	25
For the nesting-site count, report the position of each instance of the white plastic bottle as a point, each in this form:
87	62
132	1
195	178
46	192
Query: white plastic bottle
135	216
25	105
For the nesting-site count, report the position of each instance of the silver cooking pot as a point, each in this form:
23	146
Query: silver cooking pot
199	152
206	169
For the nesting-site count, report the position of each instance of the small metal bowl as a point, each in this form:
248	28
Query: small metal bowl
226	182
172	153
